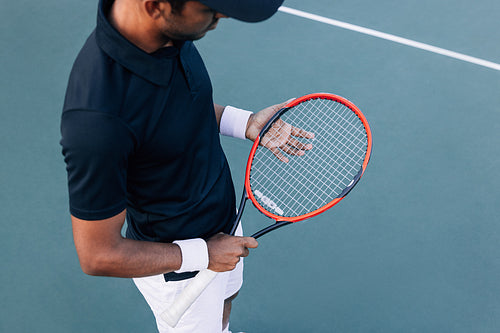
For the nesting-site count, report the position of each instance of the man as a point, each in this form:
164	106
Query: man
140	139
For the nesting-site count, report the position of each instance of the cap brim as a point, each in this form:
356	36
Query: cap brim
245	10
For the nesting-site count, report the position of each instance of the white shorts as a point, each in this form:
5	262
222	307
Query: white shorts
205	315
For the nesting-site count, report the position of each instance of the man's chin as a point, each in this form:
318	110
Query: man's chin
191	37
199	36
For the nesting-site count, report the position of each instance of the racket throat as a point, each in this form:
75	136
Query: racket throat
239	213
270	228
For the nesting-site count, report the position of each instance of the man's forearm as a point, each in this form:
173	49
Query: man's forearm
132	258
219	110
102	250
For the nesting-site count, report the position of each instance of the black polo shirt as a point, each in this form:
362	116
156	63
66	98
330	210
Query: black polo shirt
139	133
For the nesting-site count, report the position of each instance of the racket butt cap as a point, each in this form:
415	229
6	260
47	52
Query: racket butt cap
170	318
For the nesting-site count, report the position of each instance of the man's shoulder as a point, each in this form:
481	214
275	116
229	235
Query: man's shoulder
93	82
89	56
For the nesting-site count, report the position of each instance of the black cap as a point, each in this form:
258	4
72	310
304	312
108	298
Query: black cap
245	10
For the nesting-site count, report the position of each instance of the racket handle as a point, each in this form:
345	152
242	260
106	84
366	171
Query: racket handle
187	297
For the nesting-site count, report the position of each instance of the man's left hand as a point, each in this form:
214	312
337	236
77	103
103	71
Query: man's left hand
281	137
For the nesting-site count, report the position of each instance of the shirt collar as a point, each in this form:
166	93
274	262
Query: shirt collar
157	70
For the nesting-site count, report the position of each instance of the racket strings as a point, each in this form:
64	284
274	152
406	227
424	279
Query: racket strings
319	185
274	182
318	189
309	182
352	154
343	155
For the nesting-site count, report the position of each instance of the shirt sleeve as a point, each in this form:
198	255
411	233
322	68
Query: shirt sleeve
96	148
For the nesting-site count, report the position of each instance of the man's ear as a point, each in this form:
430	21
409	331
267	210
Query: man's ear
155	8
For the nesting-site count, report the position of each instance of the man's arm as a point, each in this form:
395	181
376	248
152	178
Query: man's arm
104	252
219	110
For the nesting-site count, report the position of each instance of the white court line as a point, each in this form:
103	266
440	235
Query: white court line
392	38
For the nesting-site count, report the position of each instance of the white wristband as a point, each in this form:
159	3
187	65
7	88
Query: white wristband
234	122
194	255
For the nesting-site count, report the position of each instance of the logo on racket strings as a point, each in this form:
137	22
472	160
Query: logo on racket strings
268	202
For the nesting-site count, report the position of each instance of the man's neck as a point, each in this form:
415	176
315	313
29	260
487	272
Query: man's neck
127	18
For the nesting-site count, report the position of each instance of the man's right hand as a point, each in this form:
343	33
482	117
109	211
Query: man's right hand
225	251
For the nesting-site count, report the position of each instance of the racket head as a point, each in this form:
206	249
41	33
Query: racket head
310	184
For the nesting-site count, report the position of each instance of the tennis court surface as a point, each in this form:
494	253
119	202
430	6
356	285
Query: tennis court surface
413	248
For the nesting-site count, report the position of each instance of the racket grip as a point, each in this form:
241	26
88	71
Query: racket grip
187	297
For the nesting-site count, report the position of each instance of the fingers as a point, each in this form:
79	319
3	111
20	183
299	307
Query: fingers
241	251
282	105
226	251
250	242
282	133
300	133
276	152
297	145
293	147
245	243
275	108
293	151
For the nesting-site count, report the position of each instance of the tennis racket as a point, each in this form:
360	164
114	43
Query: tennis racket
305	160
